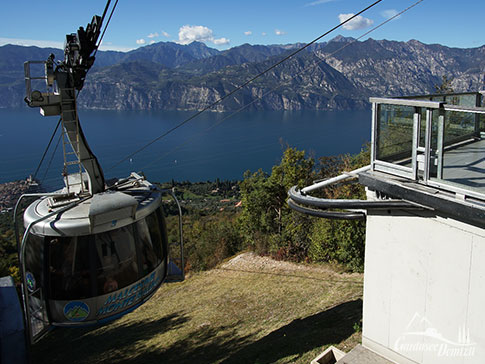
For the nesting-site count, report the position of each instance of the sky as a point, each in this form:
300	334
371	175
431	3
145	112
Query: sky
225	24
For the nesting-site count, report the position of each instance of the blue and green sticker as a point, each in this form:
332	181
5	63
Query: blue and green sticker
76	311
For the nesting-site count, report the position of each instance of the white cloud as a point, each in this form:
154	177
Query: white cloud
190	33
318	2
388	14
165	34
153	35
221	41
279	32
140	41
248	32
199	33
359	22
152	41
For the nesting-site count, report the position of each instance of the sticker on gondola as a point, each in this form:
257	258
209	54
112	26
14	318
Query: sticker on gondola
30	279
76	311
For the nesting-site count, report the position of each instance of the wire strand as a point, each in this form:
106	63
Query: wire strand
107	23
243	85
47	149
50	161
258	98
105	10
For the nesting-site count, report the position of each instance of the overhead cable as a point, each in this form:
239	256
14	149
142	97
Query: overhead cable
50	161
46	149
258	98
244	84
107	23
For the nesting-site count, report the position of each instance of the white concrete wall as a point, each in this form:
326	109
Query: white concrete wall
424	289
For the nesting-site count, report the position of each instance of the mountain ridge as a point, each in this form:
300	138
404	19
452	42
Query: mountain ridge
170	76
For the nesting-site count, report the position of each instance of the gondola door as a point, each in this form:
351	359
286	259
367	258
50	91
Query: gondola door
35	304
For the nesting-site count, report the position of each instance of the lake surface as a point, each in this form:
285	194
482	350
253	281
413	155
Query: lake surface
205	148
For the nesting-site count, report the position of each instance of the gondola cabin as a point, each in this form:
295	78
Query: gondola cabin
97	260
92	251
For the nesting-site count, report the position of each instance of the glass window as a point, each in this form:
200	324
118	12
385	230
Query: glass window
116	264
34	263
155	226
148	258
69	268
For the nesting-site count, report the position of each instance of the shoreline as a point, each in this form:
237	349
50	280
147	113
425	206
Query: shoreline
11	191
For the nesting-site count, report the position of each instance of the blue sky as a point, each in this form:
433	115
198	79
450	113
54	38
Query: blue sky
224	24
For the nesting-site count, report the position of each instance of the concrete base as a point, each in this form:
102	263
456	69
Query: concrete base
329	356
361	355
424	294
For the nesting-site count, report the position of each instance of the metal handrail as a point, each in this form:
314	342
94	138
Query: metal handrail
471	109
333	180
15	223
404	102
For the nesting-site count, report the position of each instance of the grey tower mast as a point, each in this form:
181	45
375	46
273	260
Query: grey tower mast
63	81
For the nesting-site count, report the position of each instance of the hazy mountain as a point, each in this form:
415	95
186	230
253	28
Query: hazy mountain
144	85
245	53
404	68
339	74
170	54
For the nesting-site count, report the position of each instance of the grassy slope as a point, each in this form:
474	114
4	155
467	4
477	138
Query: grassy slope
249	310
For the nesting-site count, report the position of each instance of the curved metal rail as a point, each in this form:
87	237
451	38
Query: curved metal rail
352	209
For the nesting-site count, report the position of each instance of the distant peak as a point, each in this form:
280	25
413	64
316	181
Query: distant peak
414	42
341	38
196	43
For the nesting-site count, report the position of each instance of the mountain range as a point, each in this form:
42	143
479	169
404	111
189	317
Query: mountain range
335	75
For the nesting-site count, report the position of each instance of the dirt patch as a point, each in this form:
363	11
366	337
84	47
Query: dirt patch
252	261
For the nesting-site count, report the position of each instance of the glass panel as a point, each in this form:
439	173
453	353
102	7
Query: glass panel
458	126
481	122
467	99
463	161
395	133
116	265
69	269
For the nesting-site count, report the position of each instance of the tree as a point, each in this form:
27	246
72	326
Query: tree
340	241
266	221
445	87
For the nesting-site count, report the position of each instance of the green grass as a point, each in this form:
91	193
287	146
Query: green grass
259	311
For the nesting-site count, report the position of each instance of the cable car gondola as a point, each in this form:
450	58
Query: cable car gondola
90	252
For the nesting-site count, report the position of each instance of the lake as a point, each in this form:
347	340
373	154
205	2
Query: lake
205	148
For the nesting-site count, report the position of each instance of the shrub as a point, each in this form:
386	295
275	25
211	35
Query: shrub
208	241
338	241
